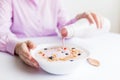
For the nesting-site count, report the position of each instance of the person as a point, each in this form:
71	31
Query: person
34	18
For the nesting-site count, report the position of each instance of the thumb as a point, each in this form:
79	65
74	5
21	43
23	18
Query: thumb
64	32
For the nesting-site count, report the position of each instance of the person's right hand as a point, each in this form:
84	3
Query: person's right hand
23	51
90	16
93	18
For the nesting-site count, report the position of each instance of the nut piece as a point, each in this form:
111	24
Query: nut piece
93	62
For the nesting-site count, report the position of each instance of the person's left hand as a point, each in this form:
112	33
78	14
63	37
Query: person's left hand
92	18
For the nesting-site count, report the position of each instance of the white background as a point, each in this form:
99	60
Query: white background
107	8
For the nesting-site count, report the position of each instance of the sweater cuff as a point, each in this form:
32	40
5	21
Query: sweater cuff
11	45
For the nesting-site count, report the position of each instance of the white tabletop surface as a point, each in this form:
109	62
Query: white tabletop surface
105	48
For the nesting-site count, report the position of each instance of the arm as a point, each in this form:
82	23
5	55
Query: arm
7	39
82	28
78	26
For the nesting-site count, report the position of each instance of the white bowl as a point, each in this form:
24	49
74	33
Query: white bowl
58	67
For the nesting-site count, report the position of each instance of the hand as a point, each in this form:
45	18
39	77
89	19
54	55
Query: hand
92	18
23	51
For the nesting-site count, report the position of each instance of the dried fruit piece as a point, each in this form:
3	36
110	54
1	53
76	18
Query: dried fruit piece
65	48
71	60
73	48
45	48
66	53
79	54
40	52
93	62
50	57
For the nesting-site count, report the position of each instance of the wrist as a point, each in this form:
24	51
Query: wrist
10	46
16	48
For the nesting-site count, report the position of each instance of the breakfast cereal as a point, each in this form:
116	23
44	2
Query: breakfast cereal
60	53
93	62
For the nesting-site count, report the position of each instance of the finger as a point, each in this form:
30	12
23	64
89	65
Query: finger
25	51
30	44
30	62
35	63
78	16
27	55
101	23
26	61
96	19
89	17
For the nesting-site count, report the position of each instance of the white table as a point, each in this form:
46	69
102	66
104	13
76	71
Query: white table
105	48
